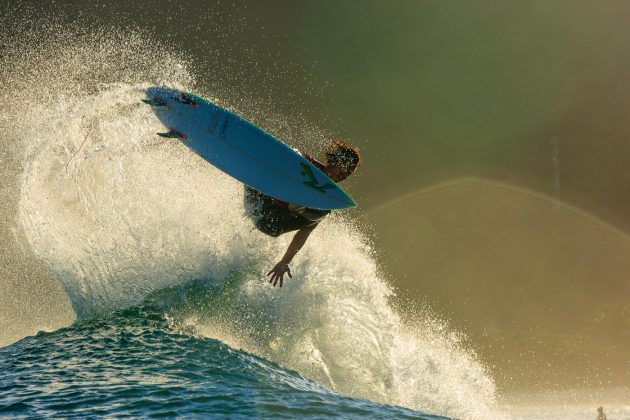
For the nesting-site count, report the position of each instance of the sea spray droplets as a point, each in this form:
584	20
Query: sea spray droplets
58	66
332	323
132	215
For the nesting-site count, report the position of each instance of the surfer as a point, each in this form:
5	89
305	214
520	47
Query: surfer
275	217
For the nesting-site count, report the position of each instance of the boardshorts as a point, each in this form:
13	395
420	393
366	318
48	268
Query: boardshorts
273	219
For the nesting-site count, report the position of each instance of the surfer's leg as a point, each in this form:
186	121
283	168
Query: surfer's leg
268	217
261	209
258	202
253	203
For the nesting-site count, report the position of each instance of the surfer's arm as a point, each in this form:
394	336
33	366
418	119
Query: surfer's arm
312	159
298	241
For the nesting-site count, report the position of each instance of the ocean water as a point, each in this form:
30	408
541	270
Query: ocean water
133	363
166	274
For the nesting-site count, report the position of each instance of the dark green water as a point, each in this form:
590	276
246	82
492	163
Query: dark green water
134	364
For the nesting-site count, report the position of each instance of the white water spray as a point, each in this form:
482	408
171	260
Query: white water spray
118	213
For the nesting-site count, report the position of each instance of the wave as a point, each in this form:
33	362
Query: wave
131	363
119	215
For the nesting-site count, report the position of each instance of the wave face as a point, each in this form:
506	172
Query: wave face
120	215
130	364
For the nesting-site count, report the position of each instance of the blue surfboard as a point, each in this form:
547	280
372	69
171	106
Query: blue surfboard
244	151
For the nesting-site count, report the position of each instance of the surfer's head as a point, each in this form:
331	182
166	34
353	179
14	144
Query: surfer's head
342	159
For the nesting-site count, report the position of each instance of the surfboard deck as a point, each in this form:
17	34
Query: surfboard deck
244	151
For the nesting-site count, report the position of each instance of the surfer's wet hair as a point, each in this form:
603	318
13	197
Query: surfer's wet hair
344	154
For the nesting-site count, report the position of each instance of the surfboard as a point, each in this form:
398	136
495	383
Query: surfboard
244	151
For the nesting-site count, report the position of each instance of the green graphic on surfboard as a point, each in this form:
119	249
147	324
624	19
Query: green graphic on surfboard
312	182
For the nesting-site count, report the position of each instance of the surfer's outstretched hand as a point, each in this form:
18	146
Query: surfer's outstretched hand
277	273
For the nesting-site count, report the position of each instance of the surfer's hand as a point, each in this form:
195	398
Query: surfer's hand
277	273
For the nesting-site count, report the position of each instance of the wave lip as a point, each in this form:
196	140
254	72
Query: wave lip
116	212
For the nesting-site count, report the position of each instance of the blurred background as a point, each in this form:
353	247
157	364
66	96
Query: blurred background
495	142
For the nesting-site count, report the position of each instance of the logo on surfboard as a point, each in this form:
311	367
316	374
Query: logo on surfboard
312	180
213	126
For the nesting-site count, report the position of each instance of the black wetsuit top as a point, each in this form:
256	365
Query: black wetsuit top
274	217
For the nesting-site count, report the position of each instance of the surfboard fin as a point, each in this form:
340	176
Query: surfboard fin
174	133
156	101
